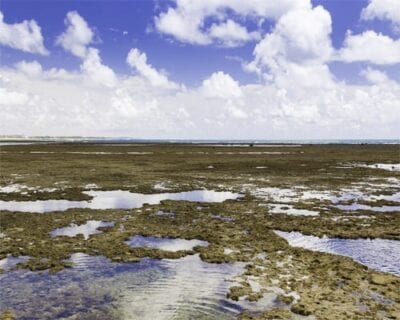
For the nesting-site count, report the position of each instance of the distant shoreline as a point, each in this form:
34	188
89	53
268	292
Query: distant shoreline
259	143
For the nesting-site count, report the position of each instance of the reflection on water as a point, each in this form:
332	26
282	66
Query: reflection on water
10	262
357	206
379	254
281	200
166	244
87	229
383	166
116	200
290	210
186	288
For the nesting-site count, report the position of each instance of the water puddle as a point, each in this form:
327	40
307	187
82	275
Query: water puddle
166	244
10	262
117	200
284	198
14	143
379	254
382	166
290	210
95	288
87	229
357	206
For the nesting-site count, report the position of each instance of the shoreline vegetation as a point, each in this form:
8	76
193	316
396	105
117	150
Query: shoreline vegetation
307	283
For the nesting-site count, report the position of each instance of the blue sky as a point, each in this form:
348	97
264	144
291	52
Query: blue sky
185	63
119	26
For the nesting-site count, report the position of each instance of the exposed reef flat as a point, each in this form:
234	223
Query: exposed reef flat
288	282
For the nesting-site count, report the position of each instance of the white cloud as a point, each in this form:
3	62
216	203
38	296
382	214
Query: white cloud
388	10
56	103
374	76
25	36
123	103
371	47
30	68
221	85
182	25
232	34
98	72
12	98
295	53
76	39
300	99
77	36
186	21
138	60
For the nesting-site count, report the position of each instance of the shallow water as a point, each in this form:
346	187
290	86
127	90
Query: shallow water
87	229
285	198
186	288
290	210
383	166
357	206
116	200
10	262
379	254
14	143
166	244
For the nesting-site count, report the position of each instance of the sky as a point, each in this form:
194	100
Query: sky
201	69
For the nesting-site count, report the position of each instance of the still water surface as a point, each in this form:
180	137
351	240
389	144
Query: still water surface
378	254
117	199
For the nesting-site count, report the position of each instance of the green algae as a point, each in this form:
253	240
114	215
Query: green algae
7	315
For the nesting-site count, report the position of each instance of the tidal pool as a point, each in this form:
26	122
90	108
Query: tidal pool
378	254
383	166
285	198
117	199
290	210
10	262
358	206
166	244
87	229
95	288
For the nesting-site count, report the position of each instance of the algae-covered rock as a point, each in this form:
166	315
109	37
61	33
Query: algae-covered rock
300	308
381	279
7	315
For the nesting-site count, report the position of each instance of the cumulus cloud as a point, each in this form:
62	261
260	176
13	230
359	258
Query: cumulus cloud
221	85
232	34
30	68
388	10
76	39
375	76
299	99
295	53
138	61
25	36
372	47
98	72
187	21
65	105
12	98
77	36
